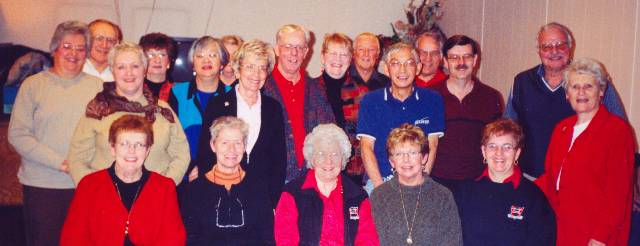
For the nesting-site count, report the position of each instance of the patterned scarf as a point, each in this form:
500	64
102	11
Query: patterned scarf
108	102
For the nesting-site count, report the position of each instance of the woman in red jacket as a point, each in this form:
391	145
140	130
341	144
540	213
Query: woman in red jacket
125	204
589	164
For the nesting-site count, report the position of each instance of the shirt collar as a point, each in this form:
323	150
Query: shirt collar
279	78
243	103
311	183
514	179
540	72
387	94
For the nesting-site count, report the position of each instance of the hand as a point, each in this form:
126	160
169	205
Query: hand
593	242
376	183
193	174
64	167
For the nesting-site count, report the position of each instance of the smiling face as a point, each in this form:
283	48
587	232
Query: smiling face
158	61
326	160
128	72
402	68
253	73
554	50
583	93
130	150
430	55
69	57
291	51
408	161
206	61
367	51
103	37
336	60
460	62
500	152
229	147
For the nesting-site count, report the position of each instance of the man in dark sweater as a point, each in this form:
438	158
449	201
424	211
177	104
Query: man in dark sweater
538	102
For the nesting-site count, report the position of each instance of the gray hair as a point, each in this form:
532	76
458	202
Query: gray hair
202	42
366	35
330	133
434	35
229	122
126	47
395	48
558	26
257	48
68	28
587	66
290	28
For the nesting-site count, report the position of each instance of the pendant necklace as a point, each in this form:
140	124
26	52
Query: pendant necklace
126	225
415	211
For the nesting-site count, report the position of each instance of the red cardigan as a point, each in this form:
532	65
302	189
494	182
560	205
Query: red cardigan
97	216
594	199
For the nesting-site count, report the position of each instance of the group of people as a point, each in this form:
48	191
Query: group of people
253	151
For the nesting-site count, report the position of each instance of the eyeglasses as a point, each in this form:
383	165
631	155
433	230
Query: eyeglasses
465	57
151	55
136	146
291	47
410	154
101	38
230	217
69	47
203	55
433	53
395	64
561	46
323	156
507	148
255	68
339	55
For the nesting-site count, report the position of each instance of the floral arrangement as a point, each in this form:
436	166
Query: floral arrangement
421	17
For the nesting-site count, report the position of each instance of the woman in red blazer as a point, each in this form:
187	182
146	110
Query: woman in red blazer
589	164
125	204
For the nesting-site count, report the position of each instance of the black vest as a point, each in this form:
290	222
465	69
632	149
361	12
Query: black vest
310	209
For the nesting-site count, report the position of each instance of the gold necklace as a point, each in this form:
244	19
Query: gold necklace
126	225
404	211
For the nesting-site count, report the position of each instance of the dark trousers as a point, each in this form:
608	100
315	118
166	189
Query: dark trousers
634	236
44	213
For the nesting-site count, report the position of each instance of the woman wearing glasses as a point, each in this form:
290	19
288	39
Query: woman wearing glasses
125	204
266	147
227	205
411	208
324	207
189	99
161	51
90	150
501	207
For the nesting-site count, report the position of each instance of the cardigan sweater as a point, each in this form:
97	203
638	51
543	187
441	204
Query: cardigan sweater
268	158
214	216
90	149
98	217
594	196
44	115
437	221
317	110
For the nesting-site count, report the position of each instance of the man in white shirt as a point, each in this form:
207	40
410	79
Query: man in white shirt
104	35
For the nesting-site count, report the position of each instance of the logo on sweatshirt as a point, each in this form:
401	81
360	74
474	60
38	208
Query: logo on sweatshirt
423	121
515	212
353	213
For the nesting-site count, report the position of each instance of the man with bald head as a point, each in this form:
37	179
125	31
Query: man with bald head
537	100
303	100
429	47
104	35
364	70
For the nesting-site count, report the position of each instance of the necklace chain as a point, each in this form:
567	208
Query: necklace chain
404	211
126	226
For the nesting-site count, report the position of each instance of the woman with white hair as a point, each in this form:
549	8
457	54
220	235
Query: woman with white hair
324	207
589	164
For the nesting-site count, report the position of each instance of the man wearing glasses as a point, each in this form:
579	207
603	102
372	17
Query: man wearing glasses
104	35
387	108
469	105
537	100
303	100
429	47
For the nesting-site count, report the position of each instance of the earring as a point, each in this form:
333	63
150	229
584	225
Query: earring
484	160
393	170
516	162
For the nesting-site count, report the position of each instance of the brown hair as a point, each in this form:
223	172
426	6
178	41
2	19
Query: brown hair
407	133
131	123
503	127
159	41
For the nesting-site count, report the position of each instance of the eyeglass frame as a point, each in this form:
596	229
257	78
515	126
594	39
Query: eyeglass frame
218	215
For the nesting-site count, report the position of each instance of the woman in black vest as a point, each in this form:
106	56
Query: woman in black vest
324	207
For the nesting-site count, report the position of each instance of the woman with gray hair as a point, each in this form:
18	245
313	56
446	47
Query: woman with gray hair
589	164
324	207
46	109
228	205
90	150
266	147
189	99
